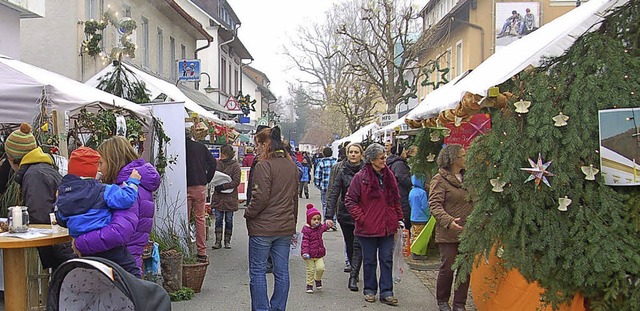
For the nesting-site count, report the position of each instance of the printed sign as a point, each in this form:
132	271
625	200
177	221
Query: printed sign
464	134
387	119
244	183
189	70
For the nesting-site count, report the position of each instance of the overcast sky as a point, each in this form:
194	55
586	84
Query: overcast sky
267	25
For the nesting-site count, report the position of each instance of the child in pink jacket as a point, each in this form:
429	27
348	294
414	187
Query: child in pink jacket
313	249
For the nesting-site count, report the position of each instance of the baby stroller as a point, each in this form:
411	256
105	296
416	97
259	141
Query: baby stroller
92	283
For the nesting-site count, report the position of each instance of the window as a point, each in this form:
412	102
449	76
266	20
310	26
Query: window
93	9
447	64
183	51
160	52
458	58
230	88
223	75
235	81
172	58
126	10
145	42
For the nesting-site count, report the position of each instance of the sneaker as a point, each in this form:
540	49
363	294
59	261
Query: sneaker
310	289
347	267
318	284
370	298
443	306
392	301
306	196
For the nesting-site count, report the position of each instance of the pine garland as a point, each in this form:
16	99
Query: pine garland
594	247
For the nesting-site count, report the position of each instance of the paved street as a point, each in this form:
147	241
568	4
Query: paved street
227	282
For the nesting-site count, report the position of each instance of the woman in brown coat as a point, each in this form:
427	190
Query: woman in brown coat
225	199
450	206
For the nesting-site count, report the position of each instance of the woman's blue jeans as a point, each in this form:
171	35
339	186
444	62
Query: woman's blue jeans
227	217
260	247
374	249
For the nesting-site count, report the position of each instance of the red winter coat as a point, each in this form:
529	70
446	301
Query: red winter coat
375	210
248	159
312	243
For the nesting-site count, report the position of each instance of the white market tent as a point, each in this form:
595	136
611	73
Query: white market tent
157	86
550	40
21	85
356	137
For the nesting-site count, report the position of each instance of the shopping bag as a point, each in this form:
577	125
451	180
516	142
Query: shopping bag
296	245
419	246
399	266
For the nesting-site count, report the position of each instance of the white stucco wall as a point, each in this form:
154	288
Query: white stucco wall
54	42
249	87
9	32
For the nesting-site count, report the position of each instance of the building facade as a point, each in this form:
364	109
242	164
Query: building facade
11	13
458	35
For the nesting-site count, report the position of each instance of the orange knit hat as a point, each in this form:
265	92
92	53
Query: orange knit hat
84	162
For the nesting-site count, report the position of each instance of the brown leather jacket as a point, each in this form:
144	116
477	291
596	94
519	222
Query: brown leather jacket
228	202
273	210
447	201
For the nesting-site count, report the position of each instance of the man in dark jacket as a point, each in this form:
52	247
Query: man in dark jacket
38	180
397	162
201	166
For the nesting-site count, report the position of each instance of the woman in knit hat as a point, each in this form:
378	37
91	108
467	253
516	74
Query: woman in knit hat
38	180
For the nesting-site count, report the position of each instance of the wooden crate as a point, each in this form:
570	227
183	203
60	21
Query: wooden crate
37	281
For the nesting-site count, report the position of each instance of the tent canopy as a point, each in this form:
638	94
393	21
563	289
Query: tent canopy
157	87
550	40
21	85
356	137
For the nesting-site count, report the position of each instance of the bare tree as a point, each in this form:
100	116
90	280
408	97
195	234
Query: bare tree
317	51
385	55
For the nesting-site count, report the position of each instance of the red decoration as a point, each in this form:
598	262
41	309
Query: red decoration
465	133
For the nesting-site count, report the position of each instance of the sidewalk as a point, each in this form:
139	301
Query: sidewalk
226	286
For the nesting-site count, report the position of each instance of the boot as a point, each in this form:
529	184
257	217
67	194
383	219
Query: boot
218	243
227	239
356	263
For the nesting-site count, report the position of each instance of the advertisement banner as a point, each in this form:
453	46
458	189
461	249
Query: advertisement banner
244	182
189	70
515	20
619	148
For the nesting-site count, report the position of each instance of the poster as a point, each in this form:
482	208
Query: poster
515	20
620	146
244	181
463	135
189	70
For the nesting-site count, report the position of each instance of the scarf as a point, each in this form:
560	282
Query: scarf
350	168
390	191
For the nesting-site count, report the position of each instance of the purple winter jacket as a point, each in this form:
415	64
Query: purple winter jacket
312	243
130	227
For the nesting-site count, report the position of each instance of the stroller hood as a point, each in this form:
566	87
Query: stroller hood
92	283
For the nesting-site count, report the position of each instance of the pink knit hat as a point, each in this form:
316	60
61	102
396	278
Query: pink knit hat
311	211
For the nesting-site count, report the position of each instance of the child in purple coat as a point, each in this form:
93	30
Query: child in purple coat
313	250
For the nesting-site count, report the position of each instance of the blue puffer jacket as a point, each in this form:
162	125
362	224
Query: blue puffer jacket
418	201
84	205
130	227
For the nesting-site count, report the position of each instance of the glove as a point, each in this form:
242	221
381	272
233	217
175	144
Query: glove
306	256
218	189
401	224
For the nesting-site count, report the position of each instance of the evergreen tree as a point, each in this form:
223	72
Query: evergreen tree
593	247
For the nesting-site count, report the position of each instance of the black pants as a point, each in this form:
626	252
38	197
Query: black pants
353	246
123	258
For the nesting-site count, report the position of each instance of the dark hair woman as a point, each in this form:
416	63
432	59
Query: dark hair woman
345	170
374	204
225	198
449	205
271	220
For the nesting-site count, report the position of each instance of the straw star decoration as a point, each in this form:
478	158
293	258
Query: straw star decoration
538	171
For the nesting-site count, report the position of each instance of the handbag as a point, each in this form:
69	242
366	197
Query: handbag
419	246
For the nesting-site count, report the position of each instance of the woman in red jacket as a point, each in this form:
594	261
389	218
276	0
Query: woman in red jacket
374	202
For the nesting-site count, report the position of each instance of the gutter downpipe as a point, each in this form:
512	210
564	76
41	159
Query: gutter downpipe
476	26
195	55
235	34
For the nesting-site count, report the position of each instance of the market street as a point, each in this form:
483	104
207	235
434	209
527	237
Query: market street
226	286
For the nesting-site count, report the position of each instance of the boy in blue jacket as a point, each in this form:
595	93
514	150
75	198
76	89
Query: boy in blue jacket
419	204
84	204
305	177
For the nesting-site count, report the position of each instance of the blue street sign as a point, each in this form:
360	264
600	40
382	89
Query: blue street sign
189	70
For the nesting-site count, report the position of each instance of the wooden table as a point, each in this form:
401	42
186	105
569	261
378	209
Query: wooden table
15	275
